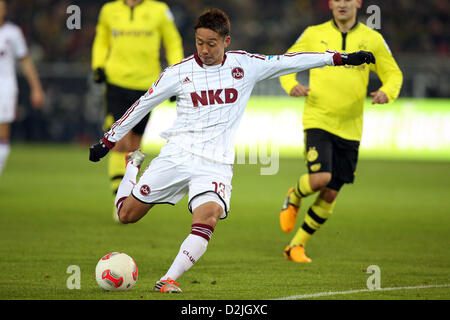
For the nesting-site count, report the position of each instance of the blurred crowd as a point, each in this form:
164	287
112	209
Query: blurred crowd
268	27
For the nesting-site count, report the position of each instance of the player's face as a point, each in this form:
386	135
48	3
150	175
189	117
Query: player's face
344	10
210	46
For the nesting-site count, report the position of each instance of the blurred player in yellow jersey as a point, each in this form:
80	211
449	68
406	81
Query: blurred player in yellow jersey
126	55
333	116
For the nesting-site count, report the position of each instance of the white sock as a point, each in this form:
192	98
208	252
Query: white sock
192	248
4	153
126	185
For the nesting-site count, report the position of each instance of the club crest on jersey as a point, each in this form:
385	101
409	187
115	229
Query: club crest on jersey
145	190
237	73
210	97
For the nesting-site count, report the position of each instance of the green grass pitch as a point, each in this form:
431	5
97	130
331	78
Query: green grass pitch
56	211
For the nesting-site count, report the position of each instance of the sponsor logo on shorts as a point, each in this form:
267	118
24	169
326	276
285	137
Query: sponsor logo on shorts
312	154
315	167
145	190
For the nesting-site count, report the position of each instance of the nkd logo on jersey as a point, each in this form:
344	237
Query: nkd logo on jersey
210	97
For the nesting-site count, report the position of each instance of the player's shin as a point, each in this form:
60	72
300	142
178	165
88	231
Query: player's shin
316	216
301	190
192	248
4	153
126	185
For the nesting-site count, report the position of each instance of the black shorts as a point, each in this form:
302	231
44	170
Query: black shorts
118	100
326	152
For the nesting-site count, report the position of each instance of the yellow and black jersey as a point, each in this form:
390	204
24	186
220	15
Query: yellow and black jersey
128	40
335	101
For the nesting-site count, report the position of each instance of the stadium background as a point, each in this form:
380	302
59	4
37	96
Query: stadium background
415	31
55	205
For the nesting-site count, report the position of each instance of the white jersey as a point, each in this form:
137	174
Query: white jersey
211	99
12	47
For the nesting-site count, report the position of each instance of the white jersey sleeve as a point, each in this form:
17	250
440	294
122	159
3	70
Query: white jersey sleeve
19	44
268	67
162	89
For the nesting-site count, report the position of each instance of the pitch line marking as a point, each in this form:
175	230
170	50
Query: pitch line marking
331	293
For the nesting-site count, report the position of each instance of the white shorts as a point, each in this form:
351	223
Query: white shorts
176	172
7	107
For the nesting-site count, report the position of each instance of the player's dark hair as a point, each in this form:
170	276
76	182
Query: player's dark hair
215	20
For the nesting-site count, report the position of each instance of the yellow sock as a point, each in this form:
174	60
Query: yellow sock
316	216
300	238
302	189
116	169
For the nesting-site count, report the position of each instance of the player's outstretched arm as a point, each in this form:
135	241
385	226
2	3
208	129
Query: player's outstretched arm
293	62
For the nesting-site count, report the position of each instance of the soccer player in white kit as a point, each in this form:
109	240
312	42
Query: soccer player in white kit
212	89
12	47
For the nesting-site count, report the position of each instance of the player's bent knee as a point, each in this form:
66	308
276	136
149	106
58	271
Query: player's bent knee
329	195
125	216
320	180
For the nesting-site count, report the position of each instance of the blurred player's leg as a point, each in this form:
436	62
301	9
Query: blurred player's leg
131	213
316	216
288	214
318	156
4	153
4	145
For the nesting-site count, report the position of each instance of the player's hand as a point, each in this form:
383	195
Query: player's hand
37	98
379	97
357	58
299	91
99	150
99	75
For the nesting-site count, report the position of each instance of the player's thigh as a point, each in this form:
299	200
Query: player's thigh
7	112
165	180
113	108
139	129
318	151
211	183
117	101
345	160
328	195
